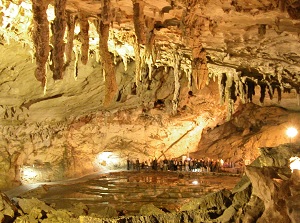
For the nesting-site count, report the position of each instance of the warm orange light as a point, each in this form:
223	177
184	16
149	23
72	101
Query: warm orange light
195	182
28	173
107	160
295	163
291	132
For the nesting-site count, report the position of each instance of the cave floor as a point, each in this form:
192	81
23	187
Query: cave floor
127	191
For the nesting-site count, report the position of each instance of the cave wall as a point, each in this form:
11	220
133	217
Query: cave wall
252	127
57	132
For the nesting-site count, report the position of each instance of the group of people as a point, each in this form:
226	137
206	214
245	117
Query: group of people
187	164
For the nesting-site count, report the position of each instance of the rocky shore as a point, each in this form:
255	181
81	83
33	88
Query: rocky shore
267	192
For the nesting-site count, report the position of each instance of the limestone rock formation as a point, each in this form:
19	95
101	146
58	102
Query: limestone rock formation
8	210
86	85
268	192
251	127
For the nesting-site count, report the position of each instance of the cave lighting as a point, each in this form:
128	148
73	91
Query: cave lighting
295	163
9	14
291	132
28	173
103	156
50	13
107	159
195	182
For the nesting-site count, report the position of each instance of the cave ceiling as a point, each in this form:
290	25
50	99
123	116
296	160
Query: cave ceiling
255	41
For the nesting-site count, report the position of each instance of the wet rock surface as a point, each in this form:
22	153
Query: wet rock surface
268	192
129	191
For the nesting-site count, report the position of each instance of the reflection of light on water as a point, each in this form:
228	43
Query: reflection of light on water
98	187
195	182
295	163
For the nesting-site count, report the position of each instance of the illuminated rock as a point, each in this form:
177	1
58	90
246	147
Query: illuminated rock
8	210
206	60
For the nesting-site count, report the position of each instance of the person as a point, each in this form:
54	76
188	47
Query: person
175	162
128	164
161	165
154	164
165	164
180	165
187	165
137	163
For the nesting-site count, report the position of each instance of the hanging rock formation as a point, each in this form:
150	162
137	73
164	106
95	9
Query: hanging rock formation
143	78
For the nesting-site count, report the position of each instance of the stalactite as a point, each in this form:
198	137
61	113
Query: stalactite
279	91
262	92
138	70
270	90
192	26
71	20
222	86
228	85
149	62
229	92
188	74
84	38
139	21
239	93
187	70
175	101
41	38
150	56
111	87
232	91
113	47
77	53
250	89
58	29
199	65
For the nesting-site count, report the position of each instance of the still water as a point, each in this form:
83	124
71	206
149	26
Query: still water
127	191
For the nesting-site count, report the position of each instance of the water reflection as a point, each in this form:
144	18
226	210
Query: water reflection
130	190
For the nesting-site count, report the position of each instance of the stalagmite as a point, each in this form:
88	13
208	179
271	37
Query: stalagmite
58	29
105	57
175	100
71	19
84	38
40	38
